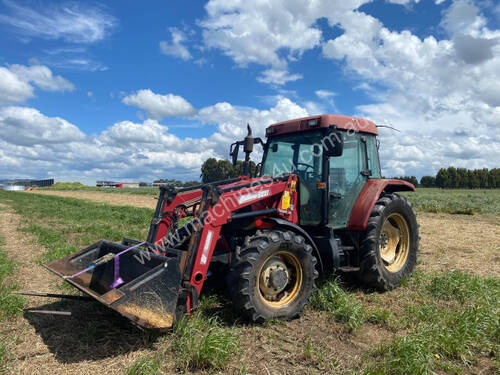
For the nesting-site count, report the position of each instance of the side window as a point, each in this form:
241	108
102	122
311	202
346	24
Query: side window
373	160
309	170
345	169
346	180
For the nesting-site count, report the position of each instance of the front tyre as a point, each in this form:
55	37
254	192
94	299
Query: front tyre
273	276
389	244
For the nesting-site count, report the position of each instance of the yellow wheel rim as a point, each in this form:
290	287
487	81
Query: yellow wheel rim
394	242
279	279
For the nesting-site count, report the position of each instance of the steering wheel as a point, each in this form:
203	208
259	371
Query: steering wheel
307	166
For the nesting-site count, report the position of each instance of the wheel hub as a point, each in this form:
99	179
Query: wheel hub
273	278
278	279
394	242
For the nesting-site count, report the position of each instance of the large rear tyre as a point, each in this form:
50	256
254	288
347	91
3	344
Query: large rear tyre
273	276
389	244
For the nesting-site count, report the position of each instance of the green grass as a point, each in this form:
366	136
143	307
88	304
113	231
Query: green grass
10	304
455	320
342	306
456	201
65	225
196	343
202	343
145	366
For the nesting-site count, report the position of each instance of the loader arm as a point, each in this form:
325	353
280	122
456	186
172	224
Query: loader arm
214	205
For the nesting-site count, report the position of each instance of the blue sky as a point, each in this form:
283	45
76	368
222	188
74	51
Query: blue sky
143	90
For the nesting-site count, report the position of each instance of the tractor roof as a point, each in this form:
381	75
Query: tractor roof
323	121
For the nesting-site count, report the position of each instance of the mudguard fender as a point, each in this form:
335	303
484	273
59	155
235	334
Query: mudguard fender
369	196
295	228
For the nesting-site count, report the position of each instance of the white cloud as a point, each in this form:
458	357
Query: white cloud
325	94
158	106
430	88
277	77
474	50
16	80
72	22
42	77
176	48
462	16
231	121
327	97
269	33
27	127
404	2
34	145
13	89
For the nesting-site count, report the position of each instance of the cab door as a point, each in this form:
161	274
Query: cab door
347	176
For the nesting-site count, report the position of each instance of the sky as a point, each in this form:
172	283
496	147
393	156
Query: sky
139	90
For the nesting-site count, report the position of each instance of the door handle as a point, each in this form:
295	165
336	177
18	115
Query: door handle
335	195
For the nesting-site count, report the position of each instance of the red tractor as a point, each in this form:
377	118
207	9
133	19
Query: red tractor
317	204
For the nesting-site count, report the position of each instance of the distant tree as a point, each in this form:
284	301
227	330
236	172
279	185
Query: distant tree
494	178
411	179
452	179
143	184
483	178
472	179
462	180
428	181
191	183
215	170
175	183
238	168
443	178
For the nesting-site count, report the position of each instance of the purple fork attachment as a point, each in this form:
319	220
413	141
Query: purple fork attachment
117	280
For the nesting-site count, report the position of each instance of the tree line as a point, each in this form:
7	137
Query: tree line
446	178
459	178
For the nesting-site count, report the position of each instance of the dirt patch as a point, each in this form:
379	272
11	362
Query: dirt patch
45	344
314	344
135	200
460	242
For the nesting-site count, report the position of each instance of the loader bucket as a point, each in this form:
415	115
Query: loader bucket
148	289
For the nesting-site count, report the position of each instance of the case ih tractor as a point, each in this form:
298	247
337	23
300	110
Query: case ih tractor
318	204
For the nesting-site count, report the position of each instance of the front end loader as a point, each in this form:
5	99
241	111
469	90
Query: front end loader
318	204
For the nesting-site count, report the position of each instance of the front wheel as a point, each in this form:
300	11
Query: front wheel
389	244
273	276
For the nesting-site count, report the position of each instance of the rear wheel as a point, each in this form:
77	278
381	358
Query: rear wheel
389	244
273	277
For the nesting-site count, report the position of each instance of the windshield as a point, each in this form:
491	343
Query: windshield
294	153
299	153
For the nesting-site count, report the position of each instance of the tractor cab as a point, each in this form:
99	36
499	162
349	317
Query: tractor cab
333	157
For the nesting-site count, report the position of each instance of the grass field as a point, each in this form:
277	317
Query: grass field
454	201
444	321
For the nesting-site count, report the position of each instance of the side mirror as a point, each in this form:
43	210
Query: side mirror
334	143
